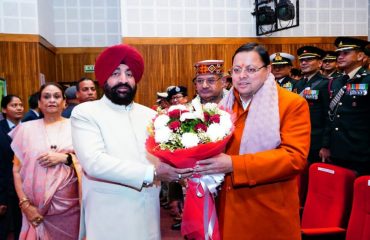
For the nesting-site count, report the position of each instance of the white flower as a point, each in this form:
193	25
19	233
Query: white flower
187	115
225	122
179	107
162	135
161	121
210	107
216	132
189	140
198	108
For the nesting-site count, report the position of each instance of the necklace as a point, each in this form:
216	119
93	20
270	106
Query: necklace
52	144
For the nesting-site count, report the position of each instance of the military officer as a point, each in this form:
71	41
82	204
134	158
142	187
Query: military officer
281	66
329	65
350	108
314	88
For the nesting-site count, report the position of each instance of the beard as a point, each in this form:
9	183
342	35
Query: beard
118	97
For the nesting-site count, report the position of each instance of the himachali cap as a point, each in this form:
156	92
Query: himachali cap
113	56
306	52
281	58
330	55
349	43
209	67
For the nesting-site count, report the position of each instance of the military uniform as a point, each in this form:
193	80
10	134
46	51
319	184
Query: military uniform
315	91
314	88
283	59
350	122
288	83
349	113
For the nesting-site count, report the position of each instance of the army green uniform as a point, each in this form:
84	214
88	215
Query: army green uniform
318	99
350	123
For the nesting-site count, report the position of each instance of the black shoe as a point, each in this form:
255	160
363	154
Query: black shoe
176	226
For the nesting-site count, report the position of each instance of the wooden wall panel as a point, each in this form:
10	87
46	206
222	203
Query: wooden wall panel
47	61
70	63
19	63
169	61
22	58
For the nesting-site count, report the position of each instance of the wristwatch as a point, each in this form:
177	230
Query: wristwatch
69	159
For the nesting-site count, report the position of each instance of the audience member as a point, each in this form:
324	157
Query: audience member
71	101
209	81
86	90
10	214
329	65
44	177
281	67
350	108
34	112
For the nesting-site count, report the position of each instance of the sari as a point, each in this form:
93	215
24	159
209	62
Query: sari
52	190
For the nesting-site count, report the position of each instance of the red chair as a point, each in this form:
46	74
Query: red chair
328	203
359	222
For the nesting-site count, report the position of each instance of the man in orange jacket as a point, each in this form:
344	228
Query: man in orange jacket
269	148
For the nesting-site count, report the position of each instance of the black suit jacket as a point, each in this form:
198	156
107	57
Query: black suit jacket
318	110
30	115
6	164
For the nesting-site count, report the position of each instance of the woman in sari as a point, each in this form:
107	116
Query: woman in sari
44	177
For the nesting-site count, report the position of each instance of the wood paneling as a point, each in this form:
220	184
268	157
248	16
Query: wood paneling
22	58
47	61
70	63
19	63
169	61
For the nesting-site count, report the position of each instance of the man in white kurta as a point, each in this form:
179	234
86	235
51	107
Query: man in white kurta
120	191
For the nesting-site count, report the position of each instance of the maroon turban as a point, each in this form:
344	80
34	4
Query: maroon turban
113	56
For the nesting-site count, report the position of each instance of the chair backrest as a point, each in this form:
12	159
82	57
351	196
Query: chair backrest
359	221
329	196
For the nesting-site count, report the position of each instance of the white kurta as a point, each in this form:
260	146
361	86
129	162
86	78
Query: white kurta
109	141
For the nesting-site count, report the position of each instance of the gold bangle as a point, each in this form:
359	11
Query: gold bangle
23	200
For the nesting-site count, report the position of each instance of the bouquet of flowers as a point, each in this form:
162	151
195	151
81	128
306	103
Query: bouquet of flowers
181	137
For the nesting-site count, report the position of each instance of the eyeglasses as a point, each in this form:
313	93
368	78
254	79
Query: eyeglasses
209	81
249	69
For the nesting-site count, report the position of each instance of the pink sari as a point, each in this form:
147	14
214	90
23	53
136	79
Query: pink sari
53	190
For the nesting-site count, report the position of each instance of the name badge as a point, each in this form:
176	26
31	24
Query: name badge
360	89
311	94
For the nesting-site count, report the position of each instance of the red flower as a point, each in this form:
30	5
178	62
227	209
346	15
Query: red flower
199	127
215	118
206	116
175	125
174	113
